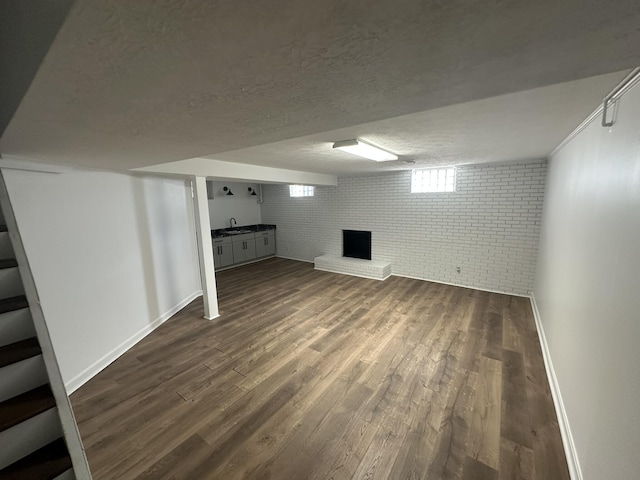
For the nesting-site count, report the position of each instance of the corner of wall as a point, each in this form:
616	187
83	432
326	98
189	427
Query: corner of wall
103	362
565	431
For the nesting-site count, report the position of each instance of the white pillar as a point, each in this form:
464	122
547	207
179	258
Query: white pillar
205	248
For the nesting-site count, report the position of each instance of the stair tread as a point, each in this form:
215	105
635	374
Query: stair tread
19	351
8	263
25	406
13	303
43	464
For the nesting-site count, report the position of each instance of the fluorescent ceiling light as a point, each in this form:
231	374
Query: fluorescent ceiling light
366	150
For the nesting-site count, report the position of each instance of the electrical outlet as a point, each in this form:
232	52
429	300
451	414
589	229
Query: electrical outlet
458	269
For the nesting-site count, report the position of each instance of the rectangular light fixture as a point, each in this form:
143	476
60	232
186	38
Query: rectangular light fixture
366	150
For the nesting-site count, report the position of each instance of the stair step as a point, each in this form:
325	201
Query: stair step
19	351
13	303
44	464
8	263
18	409
3	228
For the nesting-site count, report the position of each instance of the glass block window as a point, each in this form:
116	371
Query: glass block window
427	180
301	191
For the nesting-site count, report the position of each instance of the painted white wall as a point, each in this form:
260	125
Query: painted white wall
489	226
241	206
112	256
587	289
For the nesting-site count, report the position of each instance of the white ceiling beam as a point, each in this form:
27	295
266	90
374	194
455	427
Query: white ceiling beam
229	171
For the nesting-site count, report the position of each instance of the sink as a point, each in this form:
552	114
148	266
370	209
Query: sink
238	232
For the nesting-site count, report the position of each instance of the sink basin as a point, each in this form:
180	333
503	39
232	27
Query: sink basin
238	232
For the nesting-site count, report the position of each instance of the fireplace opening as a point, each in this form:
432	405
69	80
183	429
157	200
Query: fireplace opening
356	244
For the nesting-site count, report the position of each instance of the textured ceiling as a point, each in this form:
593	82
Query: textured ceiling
127	84
517	126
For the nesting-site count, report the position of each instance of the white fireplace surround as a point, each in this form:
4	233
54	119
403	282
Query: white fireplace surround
374	269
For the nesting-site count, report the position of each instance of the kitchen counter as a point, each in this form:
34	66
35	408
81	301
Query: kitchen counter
228	232
242	244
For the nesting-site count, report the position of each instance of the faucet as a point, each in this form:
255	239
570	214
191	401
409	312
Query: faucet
232	221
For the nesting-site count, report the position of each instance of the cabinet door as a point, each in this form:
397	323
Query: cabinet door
249	249
216	252
261	247
226	255
238	252
265	246
217	262
270	245
221	252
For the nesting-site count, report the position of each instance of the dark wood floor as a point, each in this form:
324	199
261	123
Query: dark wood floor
313	375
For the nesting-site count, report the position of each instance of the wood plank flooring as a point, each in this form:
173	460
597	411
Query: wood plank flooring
314	375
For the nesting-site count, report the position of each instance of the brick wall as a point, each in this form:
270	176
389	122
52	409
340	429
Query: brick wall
489	227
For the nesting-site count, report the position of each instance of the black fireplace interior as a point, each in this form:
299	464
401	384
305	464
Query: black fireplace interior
356	244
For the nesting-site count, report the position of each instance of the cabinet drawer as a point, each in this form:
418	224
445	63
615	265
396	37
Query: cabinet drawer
221	240
242	237
265	233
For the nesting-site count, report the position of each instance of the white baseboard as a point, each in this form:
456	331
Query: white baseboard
104	361
296	259
472	287
565	431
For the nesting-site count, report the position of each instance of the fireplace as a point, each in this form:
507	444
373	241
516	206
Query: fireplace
356	244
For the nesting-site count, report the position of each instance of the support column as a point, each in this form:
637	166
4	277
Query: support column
205	248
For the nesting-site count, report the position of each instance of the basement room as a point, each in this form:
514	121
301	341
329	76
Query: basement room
319	240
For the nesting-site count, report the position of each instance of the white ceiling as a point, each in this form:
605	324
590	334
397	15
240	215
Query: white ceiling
517	126
133	84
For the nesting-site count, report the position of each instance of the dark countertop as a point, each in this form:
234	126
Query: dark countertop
224	232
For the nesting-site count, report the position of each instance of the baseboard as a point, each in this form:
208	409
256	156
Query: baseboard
296	259
104	361
472	287
565	431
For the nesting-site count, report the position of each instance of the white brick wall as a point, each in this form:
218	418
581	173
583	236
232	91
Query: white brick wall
489	227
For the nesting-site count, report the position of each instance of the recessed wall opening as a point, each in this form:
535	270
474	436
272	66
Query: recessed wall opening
356	244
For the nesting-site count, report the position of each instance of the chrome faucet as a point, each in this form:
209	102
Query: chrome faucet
232	221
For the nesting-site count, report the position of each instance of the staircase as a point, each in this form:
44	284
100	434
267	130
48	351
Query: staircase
33	442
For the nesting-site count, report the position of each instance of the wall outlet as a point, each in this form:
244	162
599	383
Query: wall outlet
458	269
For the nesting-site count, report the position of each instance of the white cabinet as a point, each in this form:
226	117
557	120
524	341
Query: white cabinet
222	252
265	243
231	248
244	247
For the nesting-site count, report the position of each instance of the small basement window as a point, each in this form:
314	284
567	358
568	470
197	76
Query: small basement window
428	180
301	190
